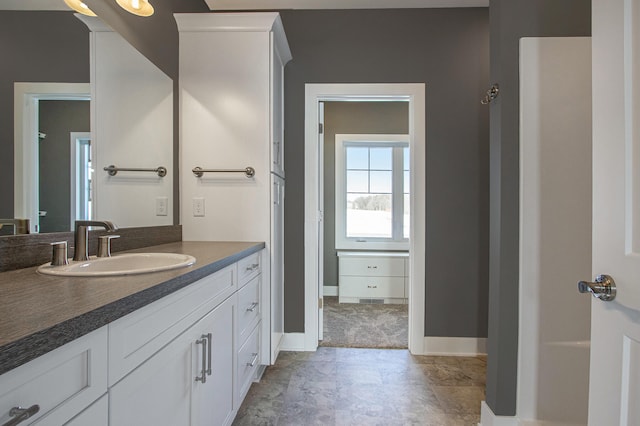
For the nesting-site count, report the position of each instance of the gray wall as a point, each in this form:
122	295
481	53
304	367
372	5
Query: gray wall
35	47
351	118
58	119
448	49
511	20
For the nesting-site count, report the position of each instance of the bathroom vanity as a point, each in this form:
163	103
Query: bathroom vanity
179	347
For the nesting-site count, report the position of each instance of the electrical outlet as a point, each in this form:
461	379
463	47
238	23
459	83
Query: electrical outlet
162	206
198	207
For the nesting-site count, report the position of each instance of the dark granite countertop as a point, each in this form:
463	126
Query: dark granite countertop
39	313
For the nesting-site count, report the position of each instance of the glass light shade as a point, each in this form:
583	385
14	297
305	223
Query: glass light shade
137	7
79	7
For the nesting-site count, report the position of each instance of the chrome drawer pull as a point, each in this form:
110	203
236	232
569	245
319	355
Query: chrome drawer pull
372	286
253	361
253	267
253	307
209	340
372	267
203	372
20	414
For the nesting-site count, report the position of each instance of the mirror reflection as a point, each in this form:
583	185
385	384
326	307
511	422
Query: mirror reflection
66	124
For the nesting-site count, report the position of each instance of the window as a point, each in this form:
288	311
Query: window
372	192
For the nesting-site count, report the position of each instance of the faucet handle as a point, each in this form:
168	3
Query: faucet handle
104	245
59	255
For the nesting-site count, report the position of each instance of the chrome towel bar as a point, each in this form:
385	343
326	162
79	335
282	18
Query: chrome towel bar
248	171
113	170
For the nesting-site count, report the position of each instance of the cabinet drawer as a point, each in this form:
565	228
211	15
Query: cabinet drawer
372	266
137	336
248	362
372	287
249	268
62	382
248	307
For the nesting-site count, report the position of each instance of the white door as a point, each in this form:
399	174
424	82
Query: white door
614	389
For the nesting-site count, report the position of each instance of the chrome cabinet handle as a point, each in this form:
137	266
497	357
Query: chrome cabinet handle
372	286
209	340
253	307
604	288
203	372
253	361
372	267
20	414
253	267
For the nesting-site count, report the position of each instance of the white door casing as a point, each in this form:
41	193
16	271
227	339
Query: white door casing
614	388
321	220
414	93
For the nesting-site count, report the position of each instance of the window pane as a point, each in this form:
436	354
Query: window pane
381	158
406	158
406	222
357	181
381	182
406	182
357	158
369	216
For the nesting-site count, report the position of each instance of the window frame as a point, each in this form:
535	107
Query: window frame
397	242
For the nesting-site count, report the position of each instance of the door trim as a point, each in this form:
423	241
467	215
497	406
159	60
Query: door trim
414	93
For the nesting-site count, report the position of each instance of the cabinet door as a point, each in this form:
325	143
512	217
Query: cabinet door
158	392
212	403
277	110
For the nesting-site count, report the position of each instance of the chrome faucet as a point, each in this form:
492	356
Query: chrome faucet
81	237
20	226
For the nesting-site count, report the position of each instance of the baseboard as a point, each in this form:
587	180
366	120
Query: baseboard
293	342
330	290
455	346
487	418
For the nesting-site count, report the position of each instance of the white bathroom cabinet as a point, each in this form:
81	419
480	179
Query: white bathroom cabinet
169	389
366	277
188	358
231	117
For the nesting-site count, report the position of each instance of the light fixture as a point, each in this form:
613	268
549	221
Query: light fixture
80	7
137	7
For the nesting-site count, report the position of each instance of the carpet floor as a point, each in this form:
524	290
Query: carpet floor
356	325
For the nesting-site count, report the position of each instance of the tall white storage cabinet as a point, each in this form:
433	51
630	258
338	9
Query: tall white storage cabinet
231	117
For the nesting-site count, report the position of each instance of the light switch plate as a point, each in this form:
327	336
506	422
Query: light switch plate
198	207
162	206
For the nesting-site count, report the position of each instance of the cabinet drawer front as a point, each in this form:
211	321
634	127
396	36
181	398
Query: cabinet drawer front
372	266
248	362
62	382
249	308
137	336
371	287
249	268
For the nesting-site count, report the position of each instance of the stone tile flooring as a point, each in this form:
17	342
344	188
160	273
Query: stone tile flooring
348	386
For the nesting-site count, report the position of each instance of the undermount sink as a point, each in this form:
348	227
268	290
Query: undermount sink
120	264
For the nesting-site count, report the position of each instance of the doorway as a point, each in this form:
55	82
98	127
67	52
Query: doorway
366	212
27	136
414	95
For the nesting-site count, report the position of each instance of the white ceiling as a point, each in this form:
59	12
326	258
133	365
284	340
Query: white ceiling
273	4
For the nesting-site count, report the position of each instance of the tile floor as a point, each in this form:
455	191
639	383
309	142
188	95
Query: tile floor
348	386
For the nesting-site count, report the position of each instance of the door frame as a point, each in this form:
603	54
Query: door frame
414	94
26	97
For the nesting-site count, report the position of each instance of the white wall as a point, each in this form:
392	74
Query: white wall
132	127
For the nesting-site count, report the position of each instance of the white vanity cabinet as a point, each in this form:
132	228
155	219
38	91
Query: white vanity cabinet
188	382
62	382
365	277
231	117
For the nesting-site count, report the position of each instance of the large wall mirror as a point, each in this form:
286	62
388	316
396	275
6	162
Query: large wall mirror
78	98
